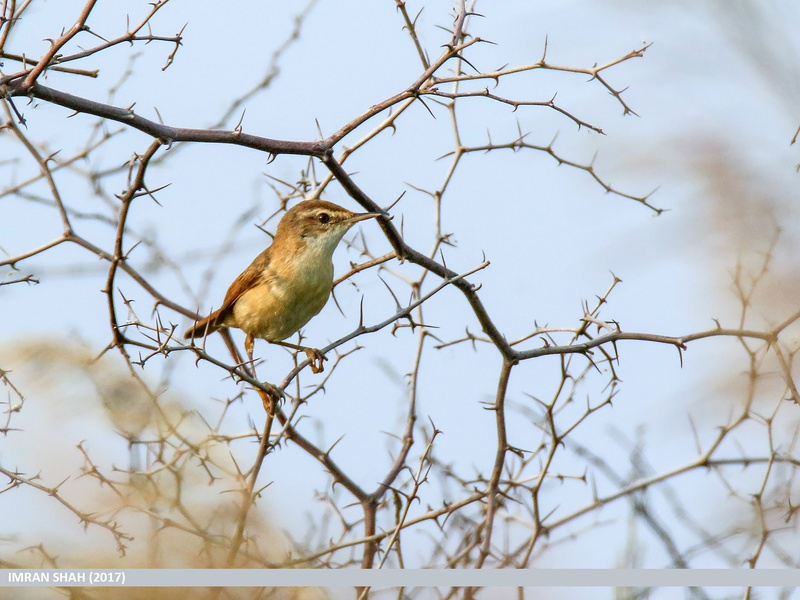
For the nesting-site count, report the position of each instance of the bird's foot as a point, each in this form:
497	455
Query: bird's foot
315	357
271	398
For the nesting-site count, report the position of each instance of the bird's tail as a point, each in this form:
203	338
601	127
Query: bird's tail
203	327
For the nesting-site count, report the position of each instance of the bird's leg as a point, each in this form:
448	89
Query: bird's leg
315	357
268	400
248	347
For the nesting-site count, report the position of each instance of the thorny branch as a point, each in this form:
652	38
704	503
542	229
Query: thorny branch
480	524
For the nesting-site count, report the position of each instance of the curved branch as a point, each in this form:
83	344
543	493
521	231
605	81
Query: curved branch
164	132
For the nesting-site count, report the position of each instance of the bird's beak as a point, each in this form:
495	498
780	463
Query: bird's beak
362	217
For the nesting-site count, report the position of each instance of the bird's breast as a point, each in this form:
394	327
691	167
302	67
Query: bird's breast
285	299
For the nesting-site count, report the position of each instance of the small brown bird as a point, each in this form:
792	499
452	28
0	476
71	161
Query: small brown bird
289	282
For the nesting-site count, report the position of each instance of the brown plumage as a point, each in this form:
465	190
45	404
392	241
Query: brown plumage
289	282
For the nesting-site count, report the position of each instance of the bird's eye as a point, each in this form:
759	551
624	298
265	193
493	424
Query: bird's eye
324	218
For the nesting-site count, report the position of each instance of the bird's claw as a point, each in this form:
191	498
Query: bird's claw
315	358
271	398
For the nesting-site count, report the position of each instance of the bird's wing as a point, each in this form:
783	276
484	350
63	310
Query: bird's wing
246	280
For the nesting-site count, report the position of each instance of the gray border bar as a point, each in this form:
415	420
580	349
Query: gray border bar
385	578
